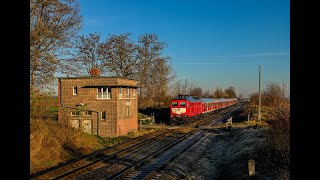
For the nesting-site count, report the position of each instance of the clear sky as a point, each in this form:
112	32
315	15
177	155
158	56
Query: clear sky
211	42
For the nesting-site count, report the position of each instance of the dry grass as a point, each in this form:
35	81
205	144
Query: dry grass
52	143
141	133
274	152
276	149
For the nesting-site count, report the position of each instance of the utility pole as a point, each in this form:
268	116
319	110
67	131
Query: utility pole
259	117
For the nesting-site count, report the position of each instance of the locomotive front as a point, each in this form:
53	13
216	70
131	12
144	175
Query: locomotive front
178	108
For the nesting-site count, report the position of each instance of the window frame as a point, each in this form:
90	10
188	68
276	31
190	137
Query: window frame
103	114
104	91
74	90
75	113
128	93
120	93
133	94
87	113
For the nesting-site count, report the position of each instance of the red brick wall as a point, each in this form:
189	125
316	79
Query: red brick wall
116	123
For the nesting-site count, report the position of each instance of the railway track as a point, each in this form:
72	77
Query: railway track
83	161
128	160
144	170
136	159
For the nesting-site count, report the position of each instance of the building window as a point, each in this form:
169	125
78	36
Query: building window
75	113
104	93
87	113
128	93
103	115
133	94
75	90
120	93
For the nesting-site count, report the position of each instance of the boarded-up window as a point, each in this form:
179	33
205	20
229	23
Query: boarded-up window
87	126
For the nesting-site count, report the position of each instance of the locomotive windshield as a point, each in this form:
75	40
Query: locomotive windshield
182	103
174	103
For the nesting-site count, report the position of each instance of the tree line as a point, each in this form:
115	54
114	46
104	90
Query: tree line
57	47
186	86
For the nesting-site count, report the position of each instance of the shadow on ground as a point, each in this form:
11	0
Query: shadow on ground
161	115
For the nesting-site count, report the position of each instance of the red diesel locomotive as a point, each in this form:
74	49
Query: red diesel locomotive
186	107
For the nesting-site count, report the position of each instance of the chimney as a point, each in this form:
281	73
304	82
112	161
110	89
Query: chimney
95	72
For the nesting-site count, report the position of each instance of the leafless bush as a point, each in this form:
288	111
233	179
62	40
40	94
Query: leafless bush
276	148
42	103
275	111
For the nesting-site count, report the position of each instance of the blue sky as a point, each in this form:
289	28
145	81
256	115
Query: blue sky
213	43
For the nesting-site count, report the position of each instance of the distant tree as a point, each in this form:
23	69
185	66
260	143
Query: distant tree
219	93
119	52
207	94
53	25
197	91
182	86
230	92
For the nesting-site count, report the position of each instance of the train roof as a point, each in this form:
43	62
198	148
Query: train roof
188	98
206	100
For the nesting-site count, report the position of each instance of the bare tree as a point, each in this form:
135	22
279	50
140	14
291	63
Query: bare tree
197	91
119	54
53	24
274	94
219	93
207	94
182	86
162	74
87	54
230	92
149	49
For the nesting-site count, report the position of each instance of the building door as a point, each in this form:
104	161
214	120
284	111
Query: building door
87	126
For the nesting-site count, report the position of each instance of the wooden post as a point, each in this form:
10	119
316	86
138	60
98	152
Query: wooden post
251	167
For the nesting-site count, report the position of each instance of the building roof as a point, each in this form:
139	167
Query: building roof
104	81
96	77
